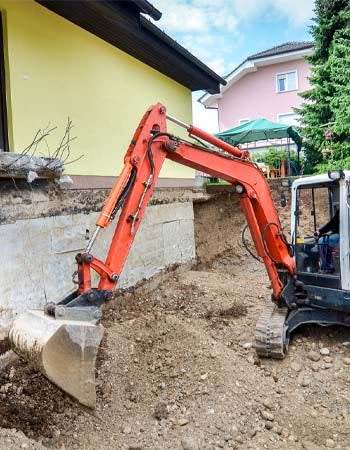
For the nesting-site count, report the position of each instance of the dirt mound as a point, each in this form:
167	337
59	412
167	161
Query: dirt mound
30	402
177	369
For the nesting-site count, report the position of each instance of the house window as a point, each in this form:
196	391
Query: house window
3	114
287	81
288	119
243	121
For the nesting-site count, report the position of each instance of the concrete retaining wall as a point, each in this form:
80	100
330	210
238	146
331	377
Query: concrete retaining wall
37	253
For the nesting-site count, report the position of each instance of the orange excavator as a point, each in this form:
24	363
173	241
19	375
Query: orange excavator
63	339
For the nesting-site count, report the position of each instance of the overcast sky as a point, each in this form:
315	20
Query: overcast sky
222	33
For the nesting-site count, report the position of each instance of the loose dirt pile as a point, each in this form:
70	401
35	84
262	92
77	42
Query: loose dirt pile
177	371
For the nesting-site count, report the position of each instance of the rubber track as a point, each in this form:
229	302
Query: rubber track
269	333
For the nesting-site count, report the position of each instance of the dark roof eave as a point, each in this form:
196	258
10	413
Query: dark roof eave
114	22
147	8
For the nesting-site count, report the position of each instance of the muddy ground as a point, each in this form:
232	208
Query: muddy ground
177	368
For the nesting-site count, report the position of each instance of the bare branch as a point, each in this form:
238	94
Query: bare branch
52	162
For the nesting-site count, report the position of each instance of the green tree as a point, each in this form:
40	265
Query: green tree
339	64
330	21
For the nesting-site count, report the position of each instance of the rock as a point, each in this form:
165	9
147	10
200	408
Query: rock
182	422
133	397
295	366
268	425
306	381
346	344
253	432
308	445
161	411
313	356
315	367
285	433
12	373
204	376
328	359
324	351
57	433
247	345
126	429
268	403
267	415
189	444
277	429
330	443
346	361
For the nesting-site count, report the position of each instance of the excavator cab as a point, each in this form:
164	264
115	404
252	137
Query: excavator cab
320	230
317	233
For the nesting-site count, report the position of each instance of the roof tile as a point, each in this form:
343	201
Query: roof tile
283	48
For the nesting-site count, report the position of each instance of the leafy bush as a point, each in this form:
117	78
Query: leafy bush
273	156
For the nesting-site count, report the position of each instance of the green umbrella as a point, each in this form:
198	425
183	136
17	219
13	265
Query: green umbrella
260	130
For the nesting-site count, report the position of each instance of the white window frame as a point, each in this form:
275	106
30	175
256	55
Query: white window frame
286	73
243	121
286	114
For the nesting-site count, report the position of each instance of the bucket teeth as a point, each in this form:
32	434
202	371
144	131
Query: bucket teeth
63	350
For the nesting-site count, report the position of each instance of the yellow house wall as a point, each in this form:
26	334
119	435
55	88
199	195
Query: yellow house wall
57	70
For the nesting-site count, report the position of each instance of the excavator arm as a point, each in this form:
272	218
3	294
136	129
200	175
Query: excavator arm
149	148
63	340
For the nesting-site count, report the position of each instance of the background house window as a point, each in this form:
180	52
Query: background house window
286	81
288	119
242	121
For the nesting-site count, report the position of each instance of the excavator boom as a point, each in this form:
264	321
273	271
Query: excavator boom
63	340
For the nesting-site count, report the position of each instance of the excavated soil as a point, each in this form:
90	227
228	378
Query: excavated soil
177	369
4	346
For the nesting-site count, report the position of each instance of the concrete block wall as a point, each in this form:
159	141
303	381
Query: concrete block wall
37	253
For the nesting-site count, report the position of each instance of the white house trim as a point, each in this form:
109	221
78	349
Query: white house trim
248	66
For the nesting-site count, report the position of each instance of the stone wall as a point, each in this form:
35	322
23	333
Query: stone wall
42	227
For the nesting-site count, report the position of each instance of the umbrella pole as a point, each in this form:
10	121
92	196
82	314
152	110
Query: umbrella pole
288	140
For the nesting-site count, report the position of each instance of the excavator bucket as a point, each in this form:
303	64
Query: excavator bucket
63	350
